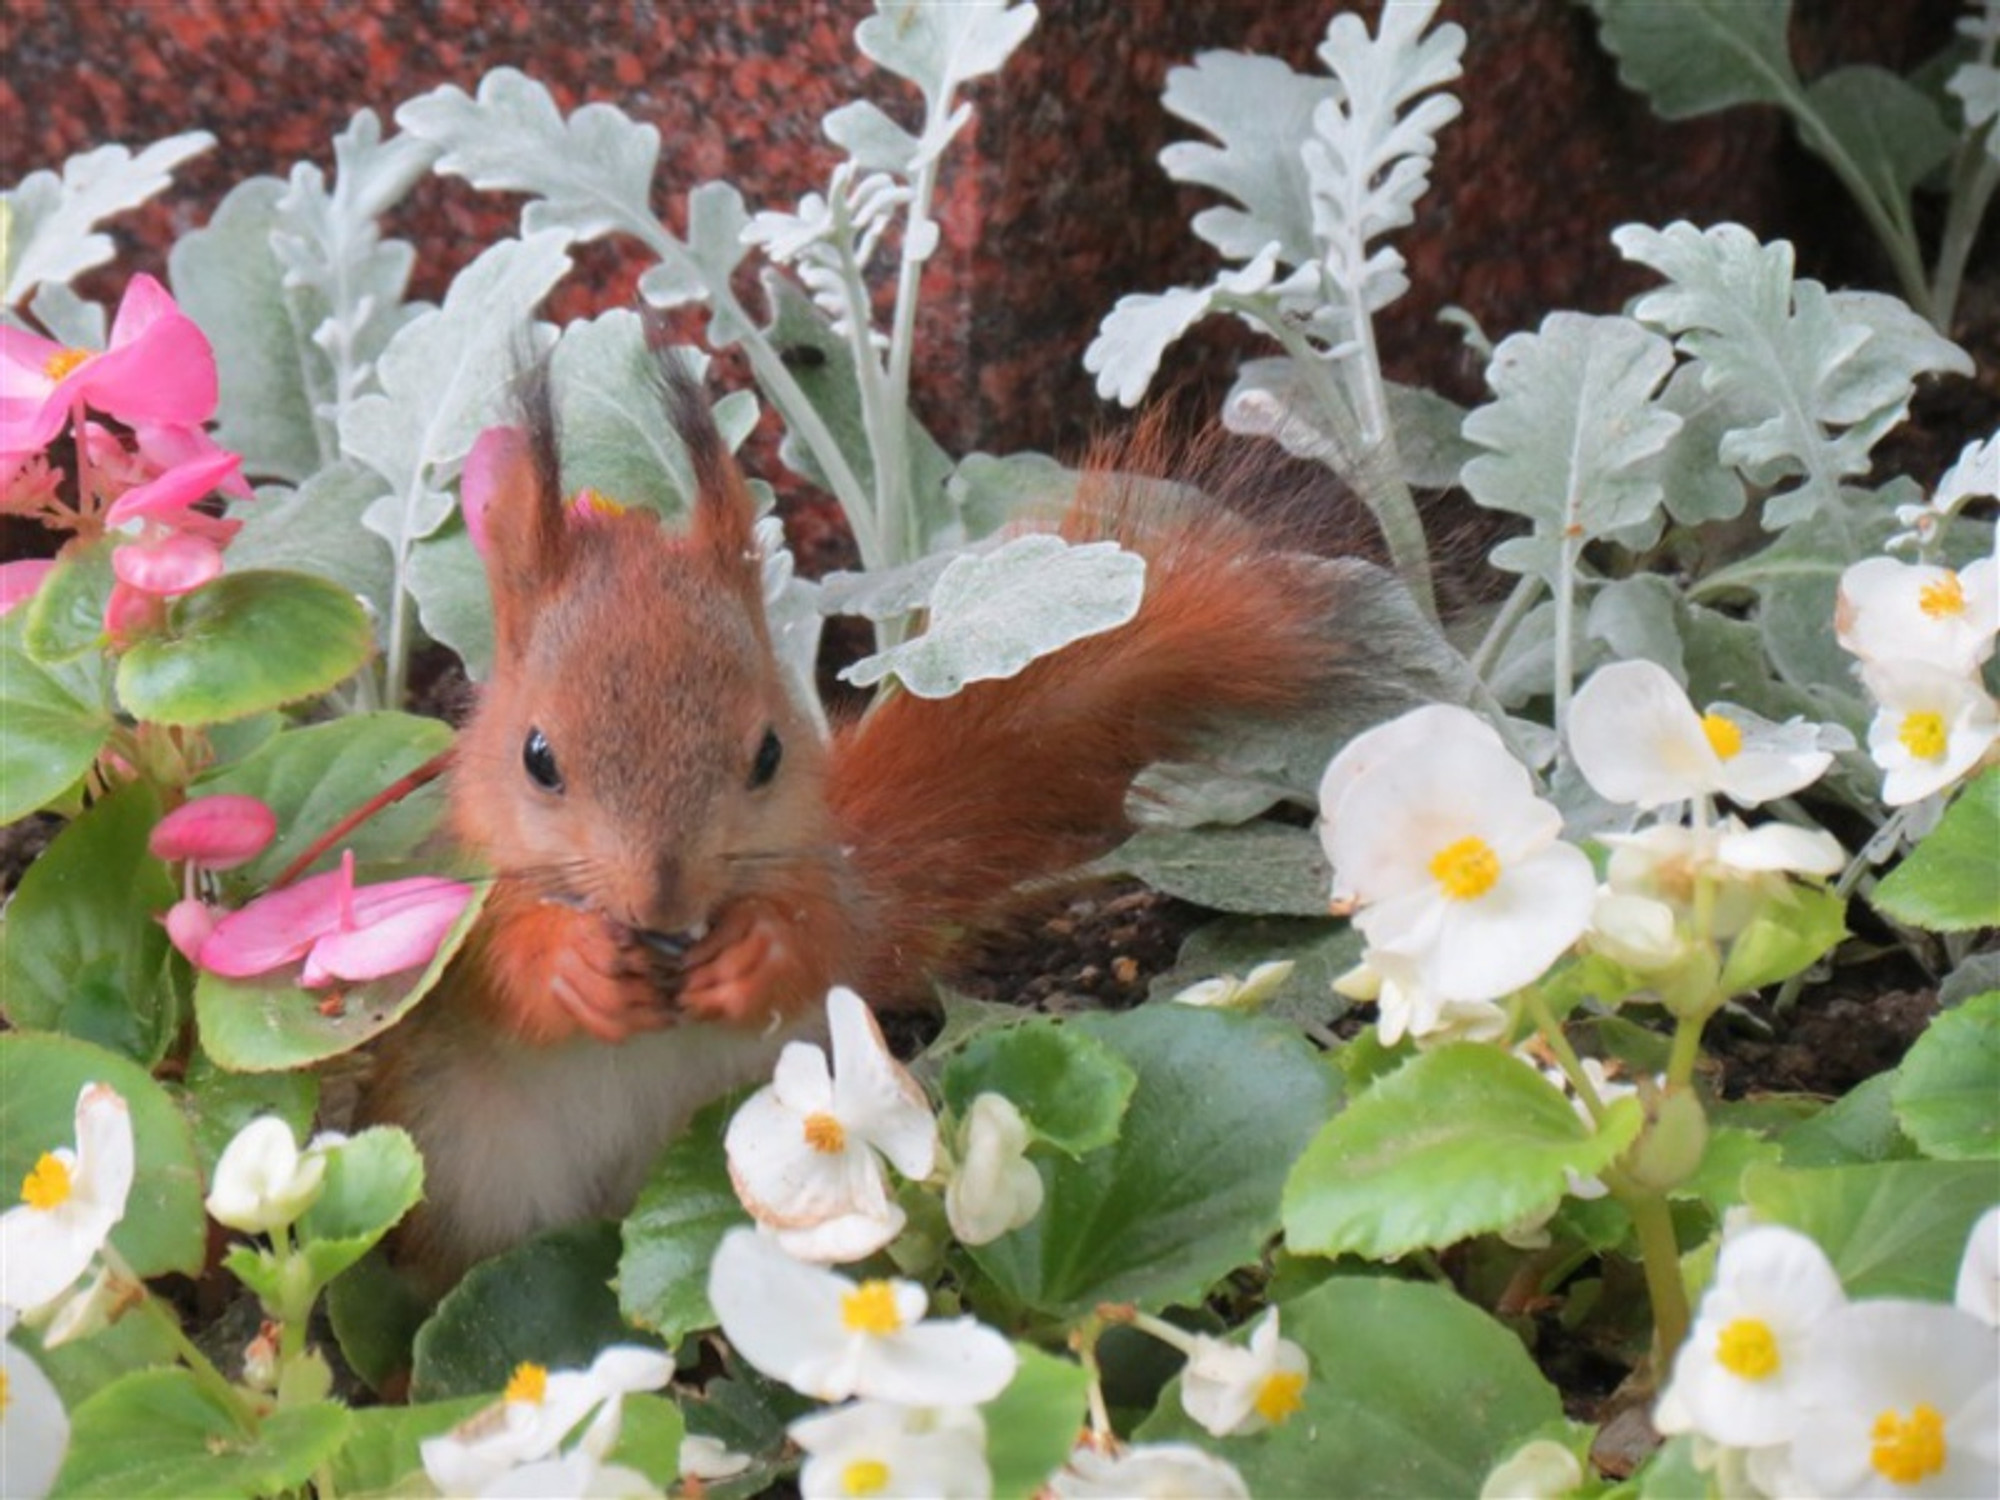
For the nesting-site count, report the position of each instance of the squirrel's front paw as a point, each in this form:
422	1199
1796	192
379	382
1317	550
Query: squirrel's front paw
609	984
750	967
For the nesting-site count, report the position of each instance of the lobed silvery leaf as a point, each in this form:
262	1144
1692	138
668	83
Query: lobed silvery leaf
1260	110
448	580
68	318
589	175
714	248
608	404
1700	55
1699	485
885	593
316	528
442	378
1136	333
987	491
1368	162
268	375
875	142
1638	618
941	47
1893	131
792	611
1276	398
1977	87
344	281
1792	359
992	614
47	233
1576	433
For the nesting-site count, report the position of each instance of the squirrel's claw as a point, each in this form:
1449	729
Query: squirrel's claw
610	985
742	972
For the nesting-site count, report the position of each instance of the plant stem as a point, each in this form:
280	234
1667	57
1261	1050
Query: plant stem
1526	595
210	1379
1686	1052
1565	673
1660	1254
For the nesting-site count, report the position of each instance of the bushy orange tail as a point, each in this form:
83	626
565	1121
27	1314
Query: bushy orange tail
949	807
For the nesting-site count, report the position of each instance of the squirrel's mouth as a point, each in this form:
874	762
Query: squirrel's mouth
672	945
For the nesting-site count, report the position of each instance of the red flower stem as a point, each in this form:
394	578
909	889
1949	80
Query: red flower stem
395	792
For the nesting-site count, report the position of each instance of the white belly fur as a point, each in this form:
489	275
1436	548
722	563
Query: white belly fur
519	1139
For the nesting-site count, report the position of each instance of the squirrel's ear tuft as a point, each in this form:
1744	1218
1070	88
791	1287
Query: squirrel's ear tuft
725	515
528	538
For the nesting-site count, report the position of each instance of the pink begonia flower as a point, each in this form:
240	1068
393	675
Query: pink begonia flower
168	496
169	445
493	452
189	923
341	931
168	563
19	580
218	832
157	368
131	613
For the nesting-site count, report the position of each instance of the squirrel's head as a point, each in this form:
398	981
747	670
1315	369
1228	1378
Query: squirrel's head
636	751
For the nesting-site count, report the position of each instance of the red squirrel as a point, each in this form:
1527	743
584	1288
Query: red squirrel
682	867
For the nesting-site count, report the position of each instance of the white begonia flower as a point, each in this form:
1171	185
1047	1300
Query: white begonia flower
263	1180
704	1457
1150	1471
1541	1470
1746	867
1978	1290
1975	473
536	1412
881	1449
69	1204
1458	865
1227	992
1232	1390
1899	1399
1638	740
1931	727
1404	1007
994	1188
1896	611
1738	1378
1387	744
805	1152
573	1476
1635	931
830	1337
34	1428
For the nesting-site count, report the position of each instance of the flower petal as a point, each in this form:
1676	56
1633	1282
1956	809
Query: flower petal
217	832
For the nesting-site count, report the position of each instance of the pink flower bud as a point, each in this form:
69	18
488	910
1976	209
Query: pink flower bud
494	452
188	925
173	564
217	833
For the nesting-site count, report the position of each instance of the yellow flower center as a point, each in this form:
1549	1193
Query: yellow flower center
1280	1395
1942	598
1466	869
1747	1348
5	1395
1908	1452
1724	738
590	502
865	1476
63	361
825	1134
1923	735
871	1308
49	1185
529	1382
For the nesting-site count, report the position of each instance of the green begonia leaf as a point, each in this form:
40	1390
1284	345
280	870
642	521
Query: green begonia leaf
160	1433
40	1077
1462	1140
684	1209
1071	1088
1185	1195
1951	881
53	721
1412	1391
1945	1091
1892	1229
246	643
82	950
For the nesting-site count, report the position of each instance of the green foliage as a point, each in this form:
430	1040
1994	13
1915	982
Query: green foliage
1072	1088
1412	1392
1943	1093
1951	881
685	1207
1460	1141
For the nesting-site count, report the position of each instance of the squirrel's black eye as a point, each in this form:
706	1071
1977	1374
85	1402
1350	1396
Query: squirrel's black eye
541	762
769	753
